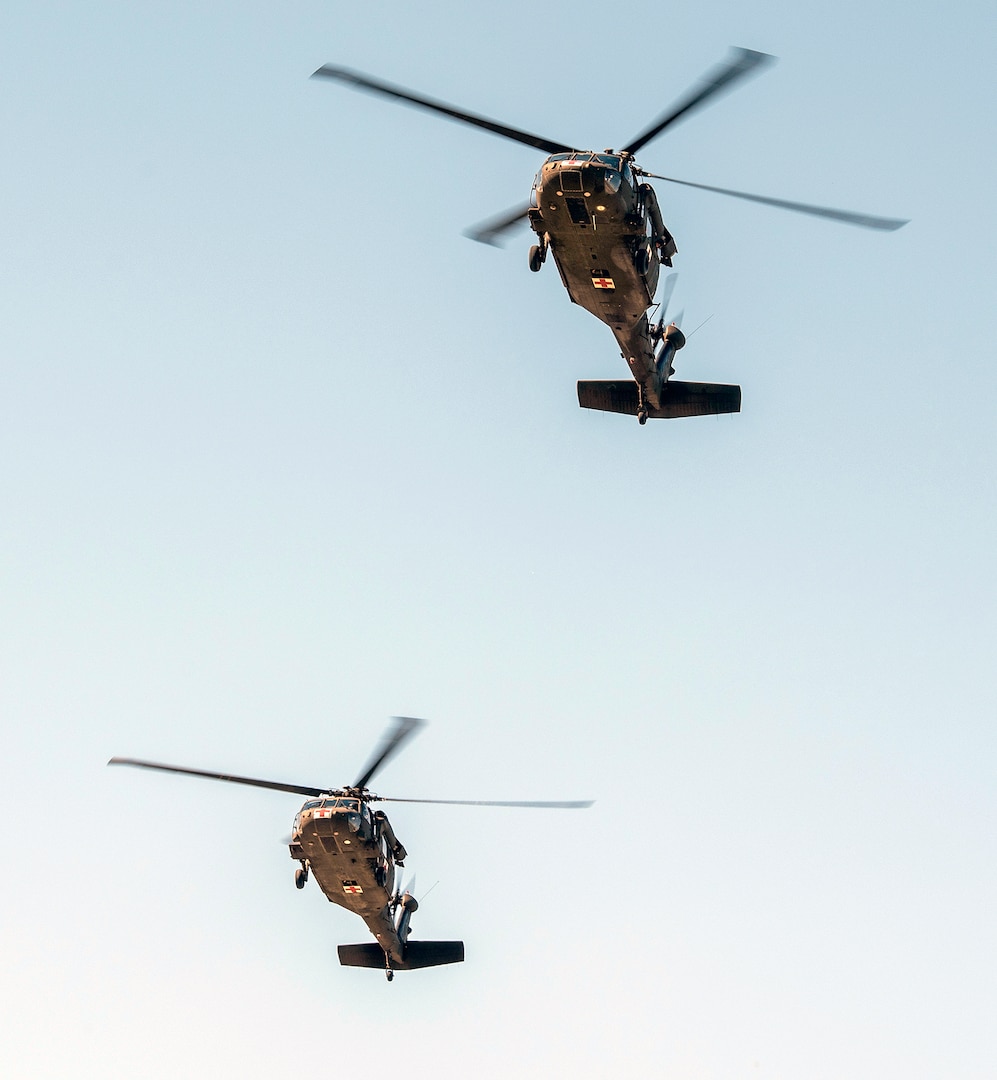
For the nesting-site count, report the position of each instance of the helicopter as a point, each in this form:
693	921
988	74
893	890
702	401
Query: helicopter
601	222
353	852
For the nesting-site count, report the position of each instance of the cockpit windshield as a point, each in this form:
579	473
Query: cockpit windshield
596	172
586	157
350	805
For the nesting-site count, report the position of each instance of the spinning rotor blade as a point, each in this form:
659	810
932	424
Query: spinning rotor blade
867	221
666	296
296	789
575	805
743	62
366	83
489	232
402	728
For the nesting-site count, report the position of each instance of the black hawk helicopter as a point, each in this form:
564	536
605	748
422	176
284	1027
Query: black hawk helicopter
599	219
352	851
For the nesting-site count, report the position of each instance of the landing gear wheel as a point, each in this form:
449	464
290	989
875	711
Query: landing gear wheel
643	260
642	417
389	974
537	256
300	877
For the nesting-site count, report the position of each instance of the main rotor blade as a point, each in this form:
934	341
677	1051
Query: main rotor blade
849	217
741	64
402	728
489	232
573	805
296	789
366	83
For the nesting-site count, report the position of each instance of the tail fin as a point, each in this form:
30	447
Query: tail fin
677	398
418	954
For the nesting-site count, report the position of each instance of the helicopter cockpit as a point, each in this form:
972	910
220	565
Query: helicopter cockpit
333	804
355	811
584	171
589	184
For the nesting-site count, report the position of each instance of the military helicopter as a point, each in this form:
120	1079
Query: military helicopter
352	851
602	223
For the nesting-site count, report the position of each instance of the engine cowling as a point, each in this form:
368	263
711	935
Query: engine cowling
672	340
397	850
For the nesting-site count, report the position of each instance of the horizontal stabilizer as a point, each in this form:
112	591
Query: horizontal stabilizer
677	398
418	954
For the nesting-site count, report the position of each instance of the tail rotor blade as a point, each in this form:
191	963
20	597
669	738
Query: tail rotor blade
666	296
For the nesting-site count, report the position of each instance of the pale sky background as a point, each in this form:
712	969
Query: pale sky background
285	454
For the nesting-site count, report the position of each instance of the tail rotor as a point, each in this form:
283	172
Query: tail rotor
657	330
405	906
667	339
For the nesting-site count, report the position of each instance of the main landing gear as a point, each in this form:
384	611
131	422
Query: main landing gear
388	973
538	255
301	876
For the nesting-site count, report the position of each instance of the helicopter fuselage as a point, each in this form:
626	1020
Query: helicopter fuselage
351	851
605	232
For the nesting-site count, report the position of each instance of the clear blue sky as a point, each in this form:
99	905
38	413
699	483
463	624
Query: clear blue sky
284	454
